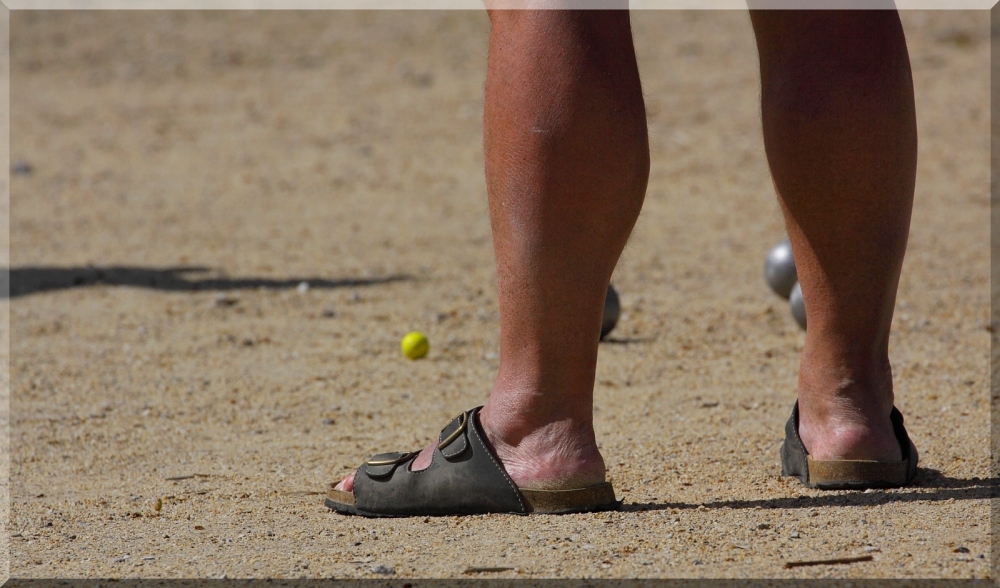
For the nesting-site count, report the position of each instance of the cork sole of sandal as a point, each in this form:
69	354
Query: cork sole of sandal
855	474
599	497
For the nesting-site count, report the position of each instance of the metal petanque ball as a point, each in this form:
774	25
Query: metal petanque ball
798	305
779	269
612	310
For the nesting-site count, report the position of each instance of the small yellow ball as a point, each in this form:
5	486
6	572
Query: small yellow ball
415	345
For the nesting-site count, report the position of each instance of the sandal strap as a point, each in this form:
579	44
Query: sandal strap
384	459
464	477
452	437
383	464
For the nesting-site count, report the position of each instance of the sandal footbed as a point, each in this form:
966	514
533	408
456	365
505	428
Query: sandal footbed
340	497
592	498
595	498
855	473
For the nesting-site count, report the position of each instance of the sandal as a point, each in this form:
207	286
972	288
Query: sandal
464	478
847	474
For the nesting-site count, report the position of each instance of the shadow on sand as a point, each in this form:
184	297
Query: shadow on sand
32	280
930	486
628	340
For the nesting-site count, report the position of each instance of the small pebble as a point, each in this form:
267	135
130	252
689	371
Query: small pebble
148	558
303	287
382	569
763	526
795	535
21	168
870	548
329	313
961	550
226	300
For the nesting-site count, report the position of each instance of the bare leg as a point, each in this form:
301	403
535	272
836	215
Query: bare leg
567	164
567	161
840	134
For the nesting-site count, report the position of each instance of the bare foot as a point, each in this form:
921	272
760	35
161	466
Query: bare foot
558	454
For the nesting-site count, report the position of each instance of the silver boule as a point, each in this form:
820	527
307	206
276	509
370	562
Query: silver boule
779	269
612	310
798	305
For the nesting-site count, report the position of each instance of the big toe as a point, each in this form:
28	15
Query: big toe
347	484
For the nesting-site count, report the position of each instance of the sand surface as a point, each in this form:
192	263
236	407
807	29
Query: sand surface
179	403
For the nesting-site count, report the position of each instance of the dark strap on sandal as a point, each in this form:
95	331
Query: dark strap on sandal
464	478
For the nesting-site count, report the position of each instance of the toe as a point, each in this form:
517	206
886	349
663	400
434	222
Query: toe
347	484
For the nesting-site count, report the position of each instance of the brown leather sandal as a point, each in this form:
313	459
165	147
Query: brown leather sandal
464	478
847	474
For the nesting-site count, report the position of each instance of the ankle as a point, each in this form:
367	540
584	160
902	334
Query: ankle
849	386
524	400
540	453
521	427
844	409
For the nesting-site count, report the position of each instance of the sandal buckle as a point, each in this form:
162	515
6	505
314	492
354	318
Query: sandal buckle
456	433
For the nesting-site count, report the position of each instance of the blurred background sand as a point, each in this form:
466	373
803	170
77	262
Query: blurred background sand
180	403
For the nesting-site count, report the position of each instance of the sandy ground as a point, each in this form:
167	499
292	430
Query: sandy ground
179	404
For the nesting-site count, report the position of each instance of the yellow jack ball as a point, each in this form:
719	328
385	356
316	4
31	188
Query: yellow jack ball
415	345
